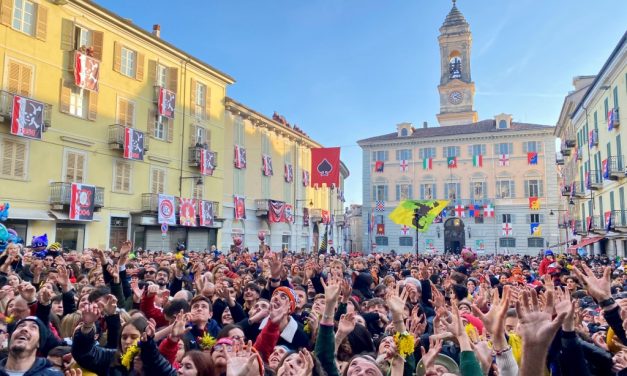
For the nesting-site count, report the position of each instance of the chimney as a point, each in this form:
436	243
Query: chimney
156	30
425	124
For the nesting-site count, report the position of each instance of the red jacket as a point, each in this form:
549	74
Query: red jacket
544	265
147	305
168	349
267	339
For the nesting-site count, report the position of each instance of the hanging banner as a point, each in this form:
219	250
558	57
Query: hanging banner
239	207
207	213
267	165
288	173
187	212
207	162
325	216
82	202
289	213
240	157
86	71
27	117
165	211
325	166
305	178
133	144
276	211
305	217
166	103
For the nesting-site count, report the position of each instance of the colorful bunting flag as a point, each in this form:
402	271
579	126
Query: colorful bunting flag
532	158
427	164
451	162
504	160
488	211
534	203
404	165
477	160
378	166
536	229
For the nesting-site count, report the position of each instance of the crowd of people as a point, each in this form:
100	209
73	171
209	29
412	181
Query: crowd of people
132	312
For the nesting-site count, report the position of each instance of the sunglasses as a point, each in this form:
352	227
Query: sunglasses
150	272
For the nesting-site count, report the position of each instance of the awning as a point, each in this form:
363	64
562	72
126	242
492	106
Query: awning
65	216
584	242
29	214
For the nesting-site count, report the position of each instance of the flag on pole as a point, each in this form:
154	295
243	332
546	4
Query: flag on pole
488	211
536	229
460	211
477	160
378	166
425	210
404	165
427	164
532	158
504	160
534	203
606	169
506	229
405	230
608	220
380	205
451	162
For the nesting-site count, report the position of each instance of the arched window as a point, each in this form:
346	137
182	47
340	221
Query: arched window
502	124
455	65
404	132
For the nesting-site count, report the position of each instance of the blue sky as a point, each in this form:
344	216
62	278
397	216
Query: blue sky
344	70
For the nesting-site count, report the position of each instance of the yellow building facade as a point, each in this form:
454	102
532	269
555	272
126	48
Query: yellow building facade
262	137
84	136
591	128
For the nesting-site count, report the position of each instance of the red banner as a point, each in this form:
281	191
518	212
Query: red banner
187	212
27	118
276	211
289	213
86	71
325	166
133	144
207	213
326	218
82	202
207	162
167	101
239	207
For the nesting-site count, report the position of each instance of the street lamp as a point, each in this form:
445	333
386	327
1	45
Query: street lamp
469	233
437	231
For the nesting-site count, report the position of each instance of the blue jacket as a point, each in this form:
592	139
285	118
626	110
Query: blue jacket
41	367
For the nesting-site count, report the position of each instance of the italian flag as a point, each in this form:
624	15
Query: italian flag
477	160
427	163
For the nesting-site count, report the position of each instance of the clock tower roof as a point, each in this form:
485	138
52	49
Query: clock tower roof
454	20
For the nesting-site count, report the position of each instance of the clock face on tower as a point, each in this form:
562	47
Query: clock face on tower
455	97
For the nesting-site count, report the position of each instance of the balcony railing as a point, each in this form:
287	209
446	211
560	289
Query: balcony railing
580	227
596	180
6	109
193	156
116	137
580	190
559	161
566	190
598	223
570	143
315	215
619	219
617	167
150	204
261	207
339	219
61	194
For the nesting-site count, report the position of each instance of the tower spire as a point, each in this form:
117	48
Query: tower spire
454	1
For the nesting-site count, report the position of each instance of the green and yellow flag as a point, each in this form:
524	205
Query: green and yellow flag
427	211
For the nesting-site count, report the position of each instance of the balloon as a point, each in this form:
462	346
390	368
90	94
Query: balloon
4	237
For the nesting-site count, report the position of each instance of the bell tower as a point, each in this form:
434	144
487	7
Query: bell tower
457	91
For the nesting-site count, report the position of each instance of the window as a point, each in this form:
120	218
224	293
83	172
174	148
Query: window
14	159
381	155
122	176
20	78
24	16
507	242
533	188
505	188
476	150
197	189
452	191
506	218
200	136
381	240
78	102
424	153
70	235
532	146
535	242
126	112
157	180
404	132
199	105
478	190
534	218
503	148
380	192
404	192
74	169
161	77
162	126
285	242
129	62
451	151
403	154
405	241
502	124
427	191
84	39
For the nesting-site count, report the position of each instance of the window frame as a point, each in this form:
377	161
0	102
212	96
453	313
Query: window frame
381	240
164	172
403	240
509	239
128	56
116	170
66	156
78	95
26	143
531	240
20	19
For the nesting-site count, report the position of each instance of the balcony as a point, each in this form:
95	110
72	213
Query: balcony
593	138
570	143
193	156
579	154
596	180
616	166
580	192
566	190
598	226
580	227
6	109
116	137
339	219
565	152
315	215
619	220
262	207
60	196
559	161
616	117
150	204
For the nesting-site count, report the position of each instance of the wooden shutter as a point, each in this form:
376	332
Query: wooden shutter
26	76
14	76
130	114
192	97
92	111
127	177
117	57
173	79
139	69
150	124
64	97
208	138
122	111
152	71
207	102
14	159
170	130
67	34
42	22
20	77
74	171
6	12
118	175
97	41
156	181
70	167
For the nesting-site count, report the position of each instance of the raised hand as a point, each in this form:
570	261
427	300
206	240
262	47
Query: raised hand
347	290
110	305
598	288
347	323
396	301
494	320
114	270
331	290
484	354
45	295
438	298
153	290
27	291
90	314
276	265
428	357
566	306
125	250
242	361
149	332
178	327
